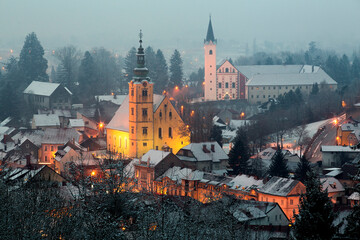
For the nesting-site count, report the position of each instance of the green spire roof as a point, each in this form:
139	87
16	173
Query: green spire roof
140	71
210	33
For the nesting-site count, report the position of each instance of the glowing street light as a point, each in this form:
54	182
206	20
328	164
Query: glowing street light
93	173
242	115
176	88
101	125
335	121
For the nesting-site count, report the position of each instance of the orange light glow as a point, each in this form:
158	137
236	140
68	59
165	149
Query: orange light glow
176	88
335	121
101	125
11	50
112	93
203	83
164	92
186	85
192	113
343	104
93	173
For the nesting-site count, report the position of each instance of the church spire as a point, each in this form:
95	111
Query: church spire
140	71
210	33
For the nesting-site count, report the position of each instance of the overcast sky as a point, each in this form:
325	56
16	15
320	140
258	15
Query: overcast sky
114	24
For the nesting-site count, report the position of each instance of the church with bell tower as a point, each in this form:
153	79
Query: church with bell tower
145	120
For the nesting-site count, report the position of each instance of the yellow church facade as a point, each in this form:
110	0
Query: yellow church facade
145	120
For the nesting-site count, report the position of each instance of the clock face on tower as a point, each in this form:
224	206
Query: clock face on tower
144	83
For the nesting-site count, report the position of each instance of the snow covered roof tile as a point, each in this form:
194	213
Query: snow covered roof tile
116	99
202	152
41	88
331	184
46	120
279	186
154	157
76	123
245	183
354	196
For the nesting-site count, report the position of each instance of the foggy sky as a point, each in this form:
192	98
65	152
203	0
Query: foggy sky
114	24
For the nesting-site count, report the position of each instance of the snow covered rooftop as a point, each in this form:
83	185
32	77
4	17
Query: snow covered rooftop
46	120
76	123
354	196
235	124
290	79
43	88
153	157
205	151
177	174
245	183
116	99
279	186
331	184
252	70
338	149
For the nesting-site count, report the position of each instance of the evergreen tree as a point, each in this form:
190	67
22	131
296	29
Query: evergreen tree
316	216
32	63
53	74
331	68
150	62
355	69
278	166
315	89
87	78
269	61
161	78
216	135
130	64
344	70
352	229
303	169
240	153
176	71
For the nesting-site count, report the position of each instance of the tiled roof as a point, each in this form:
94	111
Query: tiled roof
279	186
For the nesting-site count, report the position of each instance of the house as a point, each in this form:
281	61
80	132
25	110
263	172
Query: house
145	120
245	187
204	156
63	114
43	121
335	156
336	191
348	133
115	99
354	199
46	95
77	124
226	115
94	144
284	191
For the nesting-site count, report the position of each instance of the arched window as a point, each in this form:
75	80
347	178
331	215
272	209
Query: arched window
219	70
170	132
210	52
226	70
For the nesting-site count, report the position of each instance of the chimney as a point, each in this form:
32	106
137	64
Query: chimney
205	149
213	147
312	68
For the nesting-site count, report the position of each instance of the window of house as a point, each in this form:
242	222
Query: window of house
132	130
291	202
170	113
46	159
252	96
144	144
210	52
257	96
233	95
233	85
227	70
233	70
226	85
144	93
219	85
160	133
279	87
263	88
219	95
219	70
210	89
286	87
27	145
132	111
160	114
145	130
144	112
45	148
170	132
263	96
210	75
52	148
132	92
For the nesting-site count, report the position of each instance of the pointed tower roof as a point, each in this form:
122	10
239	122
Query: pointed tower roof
210	33
140	72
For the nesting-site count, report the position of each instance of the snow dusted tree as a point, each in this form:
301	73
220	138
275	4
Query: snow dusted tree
316	216
32	63
216	135
69	58
176	69
303	169
150	62
278	166
240	153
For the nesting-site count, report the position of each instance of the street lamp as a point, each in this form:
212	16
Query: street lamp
242	115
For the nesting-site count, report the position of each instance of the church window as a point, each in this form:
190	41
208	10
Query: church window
210	75
219	95
170	114
219	70
226	85
52	148
144	112
210	52
160	133
170	132
233	95
132	92
227	70
132	111
233	85
145	130
132	130
144	93
46	159
219	85
144	144
160	114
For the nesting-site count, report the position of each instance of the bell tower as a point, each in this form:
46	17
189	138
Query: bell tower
141	115
210	93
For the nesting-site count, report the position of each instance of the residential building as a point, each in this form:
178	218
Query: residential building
46	95
43	121
336	156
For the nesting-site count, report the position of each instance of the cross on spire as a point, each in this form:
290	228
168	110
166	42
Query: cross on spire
140	36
